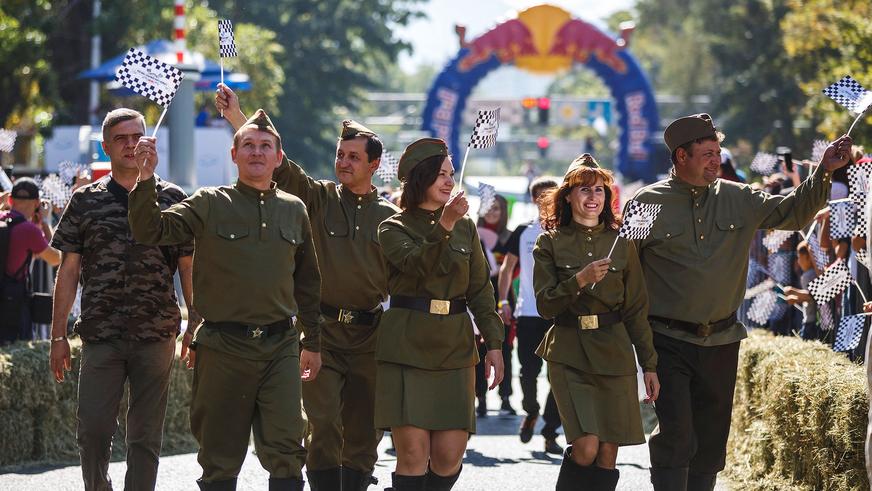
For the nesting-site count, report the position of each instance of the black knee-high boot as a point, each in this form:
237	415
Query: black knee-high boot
604	479
573	476
407	483
435	482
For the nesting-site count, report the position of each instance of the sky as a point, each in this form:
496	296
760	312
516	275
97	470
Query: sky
435	42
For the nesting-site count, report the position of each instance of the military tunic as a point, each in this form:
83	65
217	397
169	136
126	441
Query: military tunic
695	263
593	371
340	402
425	360
254	265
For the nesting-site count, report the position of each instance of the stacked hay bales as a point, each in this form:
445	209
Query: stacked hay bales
799	417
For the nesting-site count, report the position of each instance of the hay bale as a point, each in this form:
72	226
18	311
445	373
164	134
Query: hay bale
799	417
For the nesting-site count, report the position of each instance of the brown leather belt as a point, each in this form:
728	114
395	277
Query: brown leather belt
249	331
429	305
585	322
701	330
355	317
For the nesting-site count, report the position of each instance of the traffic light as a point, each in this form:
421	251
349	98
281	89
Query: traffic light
544	105
528	103
543	144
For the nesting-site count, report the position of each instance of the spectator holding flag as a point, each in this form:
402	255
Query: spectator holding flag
800	296
589	349
695	263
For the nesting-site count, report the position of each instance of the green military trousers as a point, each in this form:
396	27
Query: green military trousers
233	395
340	405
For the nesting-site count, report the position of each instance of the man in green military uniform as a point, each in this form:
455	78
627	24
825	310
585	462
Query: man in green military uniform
342	444
254	269
695	263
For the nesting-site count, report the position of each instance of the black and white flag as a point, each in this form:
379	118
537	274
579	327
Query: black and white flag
226	43
487	196
863	258
7	140
638	220
764	163
842	218
831	283
817	151
484	133
819	256
149	77
850	332
387	168
859	179
849	94
68	171
56	191
759	288
826	312
762	306
773	240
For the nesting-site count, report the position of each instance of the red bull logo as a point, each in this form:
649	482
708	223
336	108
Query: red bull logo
579	40
507	41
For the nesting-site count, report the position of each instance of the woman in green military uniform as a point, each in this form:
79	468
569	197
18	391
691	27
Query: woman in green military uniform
426	349
589	349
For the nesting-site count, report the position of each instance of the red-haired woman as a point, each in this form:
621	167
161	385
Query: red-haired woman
589	349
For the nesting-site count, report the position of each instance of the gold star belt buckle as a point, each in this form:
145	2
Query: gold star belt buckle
256	333
346	316
586	322
440	307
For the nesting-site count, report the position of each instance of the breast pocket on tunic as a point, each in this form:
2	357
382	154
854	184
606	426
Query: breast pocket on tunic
335	222
232	231
459	255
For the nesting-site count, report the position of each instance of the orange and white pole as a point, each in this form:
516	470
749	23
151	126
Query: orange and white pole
179	28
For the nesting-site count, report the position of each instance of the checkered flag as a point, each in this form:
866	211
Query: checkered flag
149	77
68	171
56	191
487	196
833	282
842	218
764	163
863	258
859	179
638	220
387	168
762	306
819	256
826	312
817	150
849	333
484	134
849	94
761	287
773	240
226	44
7	140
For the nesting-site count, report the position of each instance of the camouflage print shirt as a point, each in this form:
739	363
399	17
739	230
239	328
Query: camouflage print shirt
127	287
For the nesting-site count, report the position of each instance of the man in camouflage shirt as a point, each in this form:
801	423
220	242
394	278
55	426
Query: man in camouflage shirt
130	315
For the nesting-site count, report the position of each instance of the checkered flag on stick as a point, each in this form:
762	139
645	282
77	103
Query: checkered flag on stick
764	163
849	333
850	95
56	191
7	140
149	77
819	256
226	44
773	240
487	196
762	306
833	282
859	179
826	312
842	218
387	168
484	134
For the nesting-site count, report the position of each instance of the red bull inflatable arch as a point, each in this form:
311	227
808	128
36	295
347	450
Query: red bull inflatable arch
546	39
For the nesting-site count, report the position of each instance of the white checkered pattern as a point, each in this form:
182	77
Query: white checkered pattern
773	240
764	285
850	94
818	149
859	179
833	282
487	196
638	220
484	133
387	168
762	306
863	258
826	312
226	43
56	191
7	140
842	218
849	333
149	77
69	171
820	257
764	163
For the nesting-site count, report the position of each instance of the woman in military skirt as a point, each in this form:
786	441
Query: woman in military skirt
426	349
599	307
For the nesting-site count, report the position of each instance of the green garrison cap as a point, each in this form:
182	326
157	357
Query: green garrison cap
688	129
351	129
418	151
583	160
262	122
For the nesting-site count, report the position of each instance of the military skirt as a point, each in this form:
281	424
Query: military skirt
603	405
429	399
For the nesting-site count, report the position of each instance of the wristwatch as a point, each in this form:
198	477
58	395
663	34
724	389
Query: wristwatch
59	338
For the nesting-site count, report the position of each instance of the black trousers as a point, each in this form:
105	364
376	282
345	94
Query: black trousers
531	330
695	404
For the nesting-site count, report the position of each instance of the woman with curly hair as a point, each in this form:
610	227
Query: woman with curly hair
589	349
